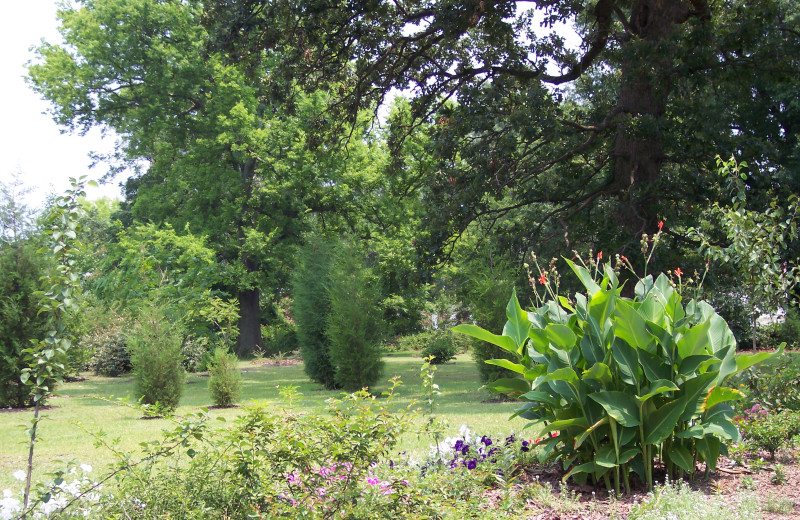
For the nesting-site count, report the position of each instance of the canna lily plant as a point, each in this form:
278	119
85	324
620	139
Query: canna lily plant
623	381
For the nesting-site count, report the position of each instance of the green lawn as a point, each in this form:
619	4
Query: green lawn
81	405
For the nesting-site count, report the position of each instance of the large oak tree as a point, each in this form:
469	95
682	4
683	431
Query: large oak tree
603	136
221	147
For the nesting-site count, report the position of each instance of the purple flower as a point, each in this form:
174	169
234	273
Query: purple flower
510	439
472	464
525	446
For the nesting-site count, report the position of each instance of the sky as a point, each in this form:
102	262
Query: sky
31	144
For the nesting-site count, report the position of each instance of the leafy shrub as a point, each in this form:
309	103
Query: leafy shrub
311	308
622	379
288	465
677	501
355	324
441	346
774	383
109	345
225	382
194	350
155	347
279	337
20	321
768	431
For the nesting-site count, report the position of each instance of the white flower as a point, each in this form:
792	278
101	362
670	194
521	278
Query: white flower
20	475
86	468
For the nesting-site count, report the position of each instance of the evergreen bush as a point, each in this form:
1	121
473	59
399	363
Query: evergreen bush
355	324
442	346
155	347
225	381
109	348
311	308
20	321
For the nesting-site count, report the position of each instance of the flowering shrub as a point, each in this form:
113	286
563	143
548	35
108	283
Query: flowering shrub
768	431
54	496
624	380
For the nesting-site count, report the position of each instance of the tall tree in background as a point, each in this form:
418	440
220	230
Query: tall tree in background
224	144
618	130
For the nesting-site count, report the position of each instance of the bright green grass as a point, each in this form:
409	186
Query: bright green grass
80	403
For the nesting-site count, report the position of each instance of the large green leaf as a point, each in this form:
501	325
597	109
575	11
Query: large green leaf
506	343
599	372
695	391
619	405
653	366
696	341
680	456
564	424
689	365
585	277
606	456
538	396
709	448
720	334
627	360
561	336
518	325
661	423
657	387
721	394
579	440
631	326
565	382
509	386
508	365
602	305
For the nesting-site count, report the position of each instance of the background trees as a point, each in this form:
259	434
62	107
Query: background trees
591	140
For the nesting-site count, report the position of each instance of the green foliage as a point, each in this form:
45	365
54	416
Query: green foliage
355	325
624	380
757	244
194	350
279	337
284	464
441	346
20	321
225	382
679	502
786	331
774	384
762	429
109	346
154	343
311	309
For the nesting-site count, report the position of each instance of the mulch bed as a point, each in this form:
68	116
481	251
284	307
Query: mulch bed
728	480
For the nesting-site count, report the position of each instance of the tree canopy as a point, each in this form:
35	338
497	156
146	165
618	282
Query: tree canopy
617	131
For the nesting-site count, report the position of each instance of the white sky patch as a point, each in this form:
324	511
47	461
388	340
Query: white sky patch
30	142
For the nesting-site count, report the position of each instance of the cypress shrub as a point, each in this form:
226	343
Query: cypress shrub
156	357
20	321
225	382
355	324
311	308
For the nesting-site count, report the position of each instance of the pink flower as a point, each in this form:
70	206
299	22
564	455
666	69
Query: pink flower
372	481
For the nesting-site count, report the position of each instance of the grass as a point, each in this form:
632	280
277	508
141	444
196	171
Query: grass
85	406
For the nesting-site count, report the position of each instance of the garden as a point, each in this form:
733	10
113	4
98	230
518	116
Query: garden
415	259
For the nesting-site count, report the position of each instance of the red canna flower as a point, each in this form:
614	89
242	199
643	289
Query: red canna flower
624	259
660	224
678	272
543	279
600	255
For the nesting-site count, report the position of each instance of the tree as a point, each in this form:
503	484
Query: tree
224	144
20	271
617	130
757	244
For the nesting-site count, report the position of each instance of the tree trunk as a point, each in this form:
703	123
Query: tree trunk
249	322
249	305
638	147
